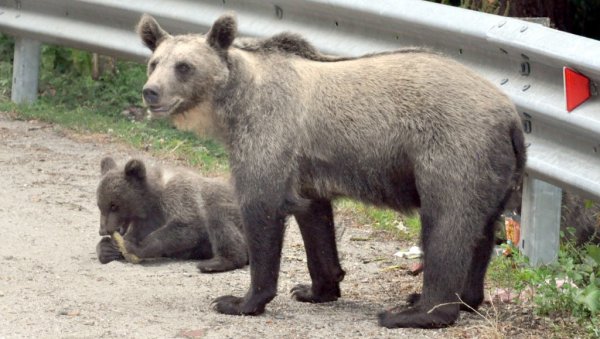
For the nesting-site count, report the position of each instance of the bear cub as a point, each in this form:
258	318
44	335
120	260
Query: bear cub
169	212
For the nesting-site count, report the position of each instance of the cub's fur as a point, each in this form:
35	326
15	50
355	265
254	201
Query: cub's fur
172	213
403	129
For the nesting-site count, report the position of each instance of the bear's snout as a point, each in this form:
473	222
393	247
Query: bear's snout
151	95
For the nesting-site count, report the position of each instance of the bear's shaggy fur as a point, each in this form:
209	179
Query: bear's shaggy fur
169	212
403	129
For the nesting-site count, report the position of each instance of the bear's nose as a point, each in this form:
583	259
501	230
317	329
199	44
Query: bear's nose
150	94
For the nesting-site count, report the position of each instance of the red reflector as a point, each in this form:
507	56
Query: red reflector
577	88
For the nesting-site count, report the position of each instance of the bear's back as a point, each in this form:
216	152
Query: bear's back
185	191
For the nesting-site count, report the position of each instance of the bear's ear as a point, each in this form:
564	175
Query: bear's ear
135	169
106	165
150	32
222	32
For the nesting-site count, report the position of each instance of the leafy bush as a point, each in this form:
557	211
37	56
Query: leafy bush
66	80
7	47
568	288
571	286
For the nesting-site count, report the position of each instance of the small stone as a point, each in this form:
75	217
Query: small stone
69	312
190	334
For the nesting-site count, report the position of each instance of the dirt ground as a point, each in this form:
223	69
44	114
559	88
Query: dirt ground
52	285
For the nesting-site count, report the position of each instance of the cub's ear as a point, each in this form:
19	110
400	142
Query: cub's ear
106	165
150	32
222	32
135	169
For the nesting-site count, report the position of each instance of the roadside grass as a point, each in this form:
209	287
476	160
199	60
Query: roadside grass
156	137
405	227
69	97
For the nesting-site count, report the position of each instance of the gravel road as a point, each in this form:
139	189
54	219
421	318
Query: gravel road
52	285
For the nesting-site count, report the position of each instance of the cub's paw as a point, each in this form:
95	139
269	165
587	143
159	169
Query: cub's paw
304	293
215	265
108	251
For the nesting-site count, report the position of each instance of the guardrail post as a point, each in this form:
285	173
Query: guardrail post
26	69
540	221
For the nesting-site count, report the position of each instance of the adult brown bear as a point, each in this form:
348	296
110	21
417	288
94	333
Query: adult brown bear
402	129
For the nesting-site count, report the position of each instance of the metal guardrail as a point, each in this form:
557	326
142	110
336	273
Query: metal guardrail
524	59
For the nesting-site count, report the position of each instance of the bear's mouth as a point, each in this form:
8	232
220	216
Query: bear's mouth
124	228
164	110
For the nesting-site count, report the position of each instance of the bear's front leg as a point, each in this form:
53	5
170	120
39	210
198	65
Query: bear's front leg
176	236
264	227
108	251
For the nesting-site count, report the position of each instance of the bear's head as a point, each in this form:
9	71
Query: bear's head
122	195
184	70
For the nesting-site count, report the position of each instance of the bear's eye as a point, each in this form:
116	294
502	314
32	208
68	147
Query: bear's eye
183	68
152	65
114	208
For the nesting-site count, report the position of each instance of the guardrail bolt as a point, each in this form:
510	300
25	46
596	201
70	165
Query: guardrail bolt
278	12
525	68
527	126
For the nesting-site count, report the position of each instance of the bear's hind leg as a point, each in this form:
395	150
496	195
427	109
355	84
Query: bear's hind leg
447	233
318	233
216	264
472	293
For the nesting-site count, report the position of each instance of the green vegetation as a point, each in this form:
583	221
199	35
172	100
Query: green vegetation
70	97
383	219
568	289
402	227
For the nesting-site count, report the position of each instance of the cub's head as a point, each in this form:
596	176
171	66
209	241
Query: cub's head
184	71
121	195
